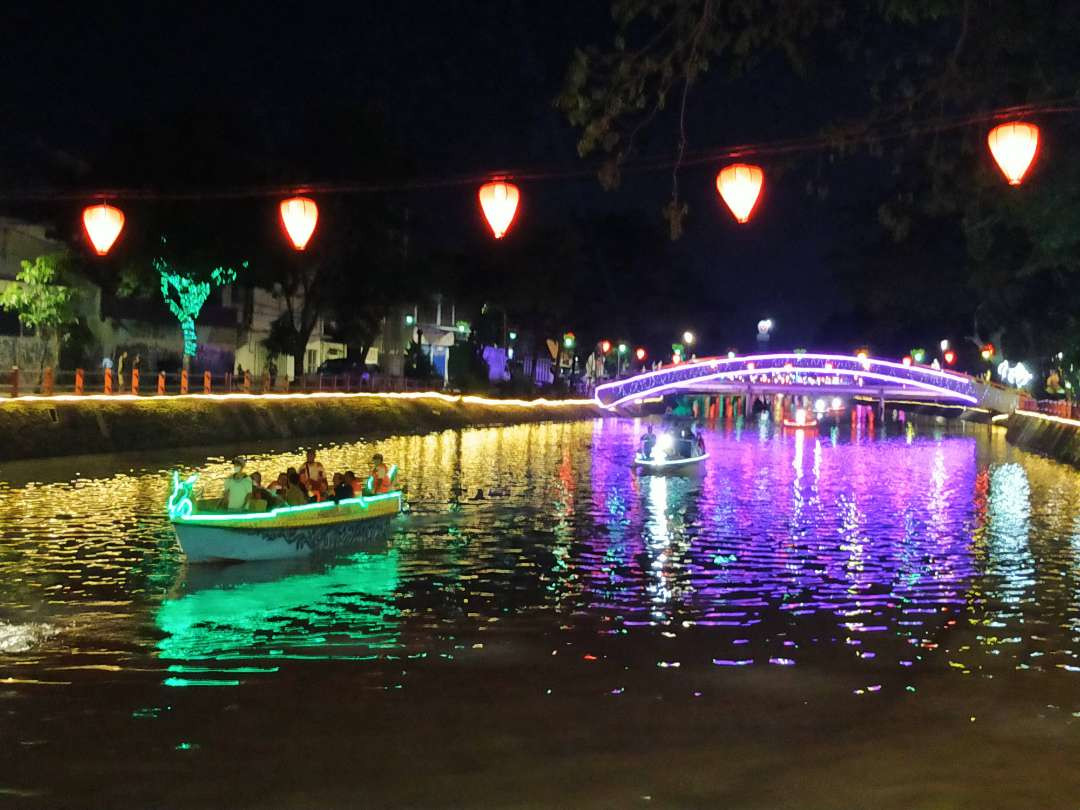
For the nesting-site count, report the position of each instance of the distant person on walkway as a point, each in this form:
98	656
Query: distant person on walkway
315	474
120	370
238	487
272	371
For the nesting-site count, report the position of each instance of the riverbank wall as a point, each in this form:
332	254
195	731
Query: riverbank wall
1047	435
62	427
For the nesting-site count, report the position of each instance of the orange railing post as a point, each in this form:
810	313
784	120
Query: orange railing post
161	383
14	381
206	382
135	381
265	382
47	382
108	381
247	382
79	378
183	380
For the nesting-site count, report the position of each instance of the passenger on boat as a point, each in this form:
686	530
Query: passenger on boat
261	493
686	443
341	490
648	442
380	475
355	483
279	484
238	488
315	474
294	493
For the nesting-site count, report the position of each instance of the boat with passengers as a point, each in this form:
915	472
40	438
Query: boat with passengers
208	533
671	454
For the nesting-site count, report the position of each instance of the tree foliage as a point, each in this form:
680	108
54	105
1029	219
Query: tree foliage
41	302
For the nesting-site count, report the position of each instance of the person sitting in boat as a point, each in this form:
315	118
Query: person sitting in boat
238	488
341	489
380	475
261	493
279	484
355	483
685	445
295	493
648	442
315	474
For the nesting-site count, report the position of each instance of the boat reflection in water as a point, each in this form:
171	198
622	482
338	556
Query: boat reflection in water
222	622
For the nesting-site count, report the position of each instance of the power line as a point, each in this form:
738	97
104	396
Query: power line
852	136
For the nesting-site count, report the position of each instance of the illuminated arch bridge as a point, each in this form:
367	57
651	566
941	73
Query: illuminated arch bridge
810	374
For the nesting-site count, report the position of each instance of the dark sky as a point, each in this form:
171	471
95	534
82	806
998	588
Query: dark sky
464	87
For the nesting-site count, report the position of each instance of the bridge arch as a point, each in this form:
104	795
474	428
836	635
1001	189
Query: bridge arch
799	373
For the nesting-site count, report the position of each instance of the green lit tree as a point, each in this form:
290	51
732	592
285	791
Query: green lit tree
185	295
41	303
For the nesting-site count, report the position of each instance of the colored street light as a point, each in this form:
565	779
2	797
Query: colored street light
918	355
907	360
103	224
1014	146
987	351
944	345
299	215
569	340
410	320
623	348
950	357
688	338
499	202
740	187
605	346
512	335
639	353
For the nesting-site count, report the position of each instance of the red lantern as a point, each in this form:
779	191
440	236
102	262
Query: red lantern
907	360
740	186
1013	146
499	201
950	357
103	224
639	353
605	346
299	215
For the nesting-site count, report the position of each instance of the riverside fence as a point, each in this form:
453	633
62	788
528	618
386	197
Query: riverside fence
53	382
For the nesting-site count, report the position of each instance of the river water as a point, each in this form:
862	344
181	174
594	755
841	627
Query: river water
843	619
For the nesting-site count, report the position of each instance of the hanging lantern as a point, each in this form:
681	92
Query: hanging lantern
1013	146
499	201
740	186
299	215
103	224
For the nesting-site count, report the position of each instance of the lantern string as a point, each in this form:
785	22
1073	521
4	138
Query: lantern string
840	138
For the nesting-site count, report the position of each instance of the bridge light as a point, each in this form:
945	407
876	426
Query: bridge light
623	348
819	406
512	335
1014	146
640	354
918	355
740	187
828	365
688	338
907	360
568	340
751	365
950	357
987	351
944	345
730	355
605	346
837	403
410	320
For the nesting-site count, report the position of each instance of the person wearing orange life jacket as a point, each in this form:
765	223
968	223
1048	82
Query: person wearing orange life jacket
380	476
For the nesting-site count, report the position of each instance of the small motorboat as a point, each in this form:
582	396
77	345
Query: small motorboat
802	420
664	464
207	534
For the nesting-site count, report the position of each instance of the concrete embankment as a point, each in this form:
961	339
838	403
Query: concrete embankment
1057	438
43	428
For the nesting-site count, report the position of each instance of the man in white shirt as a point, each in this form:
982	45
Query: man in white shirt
238	487
314	474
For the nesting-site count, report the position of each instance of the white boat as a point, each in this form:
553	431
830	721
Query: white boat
662	465
287	532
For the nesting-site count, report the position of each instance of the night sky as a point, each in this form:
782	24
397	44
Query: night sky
464	88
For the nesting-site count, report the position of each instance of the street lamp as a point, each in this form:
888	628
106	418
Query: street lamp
764	330
688	338
410	320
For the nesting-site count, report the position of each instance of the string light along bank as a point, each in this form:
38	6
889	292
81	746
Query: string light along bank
1014	146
